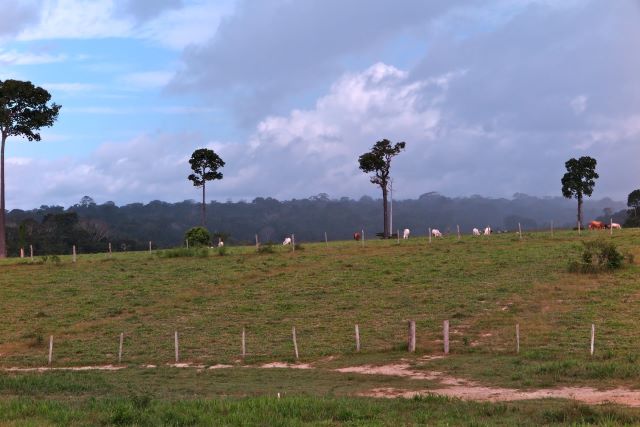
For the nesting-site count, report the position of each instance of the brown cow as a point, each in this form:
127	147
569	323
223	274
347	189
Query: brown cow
356	236
597	225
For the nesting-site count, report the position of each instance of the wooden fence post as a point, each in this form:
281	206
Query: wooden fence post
593	338
149	246
21	252
74	253
579	228
293	243
109	249
187	243
517	338
257	242
176	347
120	347
31	251
244	343
411	347
50	349
326	241
429	234
551	228
445	333
458	226
520	230
357	338
611	226
295	341
398	235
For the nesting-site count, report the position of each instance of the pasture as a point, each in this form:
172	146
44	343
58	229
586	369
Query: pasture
483	285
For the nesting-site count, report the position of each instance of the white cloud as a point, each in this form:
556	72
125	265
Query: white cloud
146	79
14	57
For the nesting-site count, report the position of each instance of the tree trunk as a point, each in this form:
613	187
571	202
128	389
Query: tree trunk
203	204
3	237
385	210
580	210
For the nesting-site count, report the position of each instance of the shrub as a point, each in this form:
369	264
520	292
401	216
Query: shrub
266	249
184	252
597	255
222	250
198	236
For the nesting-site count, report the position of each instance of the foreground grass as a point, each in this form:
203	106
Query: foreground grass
484	286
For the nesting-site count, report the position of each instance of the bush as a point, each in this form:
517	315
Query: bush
222	250
597	255
198	236
266	249
184	252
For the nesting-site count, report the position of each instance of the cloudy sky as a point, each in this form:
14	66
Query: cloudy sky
491	96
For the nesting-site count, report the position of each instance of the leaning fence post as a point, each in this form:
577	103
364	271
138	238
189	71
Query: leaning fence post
295	341
120	347
50	349
593	338
326	241
176	347
357	338
74	253
445	333
517	338
411	347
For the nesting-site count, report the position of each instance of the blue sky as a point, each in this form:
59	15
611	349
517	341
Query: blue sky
491	97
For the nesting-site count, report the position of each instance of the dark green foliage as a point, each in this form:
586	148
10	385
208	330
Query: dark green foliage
579	180
378	162
597	256
198	236
633	203
200	252
266	248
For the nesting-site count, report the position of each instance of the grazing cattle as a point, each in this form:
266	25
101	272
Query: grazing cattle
356	236
476	232
597	225
287	241
406	233
220	243
488	231
616	225
436	233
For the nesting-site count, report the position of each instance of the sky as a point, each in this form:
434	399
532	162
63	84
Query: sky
491	97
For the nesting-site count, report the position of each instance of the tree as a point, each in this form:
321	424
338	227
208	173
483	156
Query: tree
378	162
633	201
205	164
579	180
24	110
198	236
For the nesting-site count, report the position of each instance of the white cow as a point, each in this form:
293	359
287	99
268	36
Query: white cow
616	225
406	233
476	232
436	233
488	231
287	241
220	243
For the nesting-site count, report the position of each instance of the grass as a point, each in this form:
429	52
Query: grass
483	286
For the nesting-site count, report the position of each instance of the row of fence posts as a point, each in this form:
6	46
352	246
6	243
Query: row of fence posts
411	341
326	240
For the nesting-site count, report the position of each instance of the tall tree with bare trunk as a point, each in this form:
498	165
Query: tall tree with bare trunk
204	164
579	181
378	162
24	110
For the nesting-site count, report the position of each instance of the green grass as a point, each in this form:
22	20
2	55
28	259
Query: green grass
483	286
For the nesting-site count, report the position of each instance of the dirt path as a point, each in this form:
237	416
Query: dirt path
470	390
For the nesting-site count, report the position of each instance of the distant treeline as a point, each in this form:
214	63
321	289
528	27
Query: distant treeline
91	226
